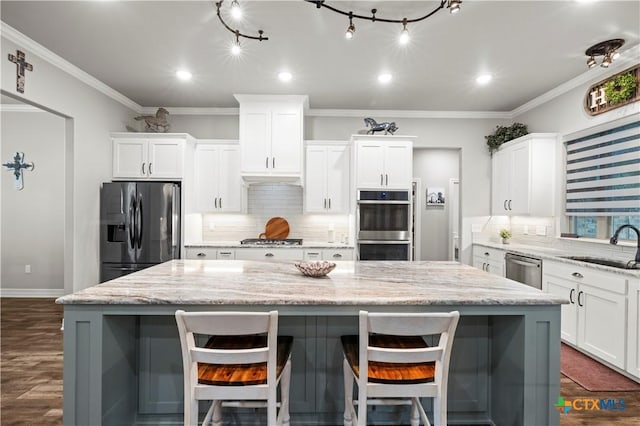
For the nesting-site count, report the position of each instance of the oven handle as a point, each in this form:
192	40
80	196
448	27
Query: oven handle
383	241
383	202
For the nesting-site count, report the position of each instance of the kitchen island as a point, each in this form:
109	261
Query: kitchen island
122	360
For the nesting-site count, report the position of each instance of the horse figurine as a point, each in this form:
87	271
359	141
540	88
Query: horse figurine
379	127
158	123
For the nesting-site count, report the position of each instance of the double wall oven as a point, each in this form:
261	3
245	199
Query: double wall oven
383	225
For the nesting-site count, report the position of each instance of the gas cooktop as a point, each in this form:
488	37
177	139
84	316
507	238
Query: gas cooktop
272	242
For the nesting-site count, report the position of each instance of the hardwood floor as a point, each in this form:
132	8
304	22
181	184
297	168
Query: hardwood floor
31	372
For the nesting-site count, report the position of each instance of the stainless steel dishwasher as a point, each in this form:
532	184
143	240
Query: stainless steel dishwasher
527	270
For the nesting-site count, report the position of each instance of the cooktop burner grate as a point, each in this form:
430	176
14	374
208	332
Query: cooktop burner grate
272	242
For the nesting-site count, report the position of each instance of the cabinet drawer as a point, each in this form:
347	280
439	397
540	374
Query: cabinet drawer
269	254
586	276
202	253
487	253
225	254
337	254
313	254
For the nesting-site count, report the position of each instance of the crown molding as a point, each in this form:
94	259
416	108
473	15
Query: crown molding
631	55
359	113
19	108
37	49
193	110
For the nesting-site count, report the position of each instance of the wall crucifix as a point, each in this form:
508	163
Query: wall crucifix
17	166
21	66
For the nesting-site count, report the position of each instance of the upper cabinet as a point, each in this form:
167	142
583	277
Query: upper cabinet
383	162
327	178
142	156
217	182
271	134
524	176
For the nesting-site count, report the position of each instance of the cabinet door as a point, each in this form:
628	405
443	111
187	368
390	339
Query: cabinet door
633	344
229	179
313	255
496	268
269	254
200	253
602	320
500	182
286	142
225	254
338	179
370	165
165	158
569	313
337	254
130	158
206	178
255	132
398	169
315	192
519	180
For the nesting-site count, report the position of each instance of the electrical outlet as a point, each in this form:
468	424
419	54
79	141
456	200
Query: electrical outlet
541	230
27	269
525	229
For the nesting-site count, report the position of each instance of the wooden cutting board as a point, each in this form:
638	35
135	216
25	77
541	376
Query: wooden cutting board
276	228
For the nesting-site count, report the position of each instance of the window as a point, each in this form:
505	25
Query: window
603	181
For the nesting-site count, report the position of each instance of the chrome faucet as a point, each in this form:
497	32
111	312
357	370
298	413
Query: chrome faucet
614	239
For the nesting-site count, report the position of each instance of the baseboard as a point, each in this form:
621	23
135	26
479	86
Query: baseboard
31	292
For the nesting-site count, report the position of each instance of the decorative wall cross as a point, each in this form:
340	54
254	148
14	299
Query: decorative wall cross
21	66
17	166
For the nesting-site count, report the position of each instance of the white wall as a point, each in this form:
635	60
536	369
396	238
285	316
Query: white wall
91	116
434	168
33	218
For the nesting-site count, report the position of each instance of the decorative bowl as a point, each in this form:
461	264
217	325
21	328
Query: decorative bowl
315	269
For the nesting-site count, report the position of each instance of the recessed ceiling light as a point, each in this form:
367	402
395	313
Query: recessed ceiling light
384	78
183	75
285	76
483	79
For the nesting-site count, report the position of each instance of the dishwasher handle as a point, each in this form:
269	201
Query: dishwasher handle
522	263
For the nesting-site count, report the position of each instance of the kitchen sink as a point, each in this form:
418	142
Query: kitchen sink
621	264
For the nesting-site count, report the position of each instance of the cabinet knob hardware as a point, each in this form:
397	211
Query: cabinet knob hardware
215	202
381	179
273	163
201	255
268	254
313	254
571	293
220	202
329	203
386	177
150	170
225	253
577	275
143	170
325	203
266	162
510	205
580	293
504	205
337	255
486	253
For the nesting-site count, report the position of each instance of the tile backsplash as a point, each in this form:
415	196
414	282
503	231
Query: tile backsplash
265	201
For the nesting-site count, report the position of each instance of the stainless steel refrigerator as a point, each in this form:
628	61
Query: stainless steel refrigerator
139	226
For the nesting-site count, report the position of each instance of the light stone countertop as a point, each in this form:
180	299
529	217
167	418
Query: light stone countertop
237	245
237	282
555	255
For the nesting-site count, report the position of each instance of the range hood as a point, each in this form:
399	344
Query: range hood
251	179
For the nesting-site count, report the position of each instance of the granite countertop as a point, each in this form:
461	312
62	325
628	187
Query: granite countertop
237	282
237	245
555	255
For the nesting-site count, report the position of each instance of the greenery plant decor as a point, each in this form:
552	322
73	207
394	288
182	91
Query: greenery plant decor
620	88
505	134
505	234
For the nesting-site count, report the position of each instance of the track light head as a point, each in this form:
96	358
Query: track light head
454	6
351	29
404	34
591	62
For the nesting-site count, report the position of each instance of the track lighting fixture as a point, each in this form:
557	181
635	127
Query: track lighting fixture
351	29
452	5
607	49
235	48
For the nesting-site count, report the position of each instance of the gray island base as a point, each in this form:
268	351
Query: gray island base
122	362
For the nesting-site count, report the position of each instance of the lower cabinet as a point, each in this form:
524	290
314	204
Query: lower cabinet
633	332
595	320
489	259
269	254
209	253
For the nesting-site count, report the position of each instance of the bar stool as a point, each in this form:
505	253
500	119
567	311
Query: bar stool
241	364
393	365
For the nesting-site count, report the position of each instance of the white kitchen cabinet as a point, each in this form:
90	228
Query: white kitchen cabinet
337	254
596	318
383	162
217	181
148	156
633	333
489	259
524	176
271	133
270	253
201	253
327	179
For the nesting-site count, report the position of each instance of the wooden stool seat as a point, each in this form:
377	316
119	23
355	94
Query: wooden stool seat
387	372
242	374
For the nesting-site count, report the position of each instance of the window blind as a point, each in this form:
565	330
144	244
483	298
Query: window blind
603	173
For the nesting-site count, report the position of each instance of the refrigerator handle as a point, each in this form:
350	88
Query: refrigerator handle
174	218
140	224
132	218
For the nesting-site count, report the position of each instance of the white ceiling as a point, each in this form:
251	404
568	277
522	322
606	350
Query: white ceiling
135	47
